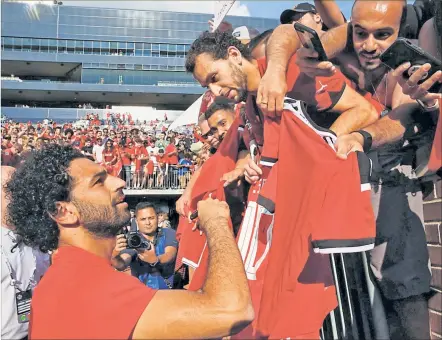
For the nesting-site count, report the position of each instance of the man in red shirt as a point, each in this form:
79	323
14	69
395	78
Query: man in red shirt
79	216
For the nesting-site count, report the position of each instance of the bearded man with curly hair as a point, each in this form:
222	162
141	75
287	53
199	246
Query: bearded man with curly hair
60	200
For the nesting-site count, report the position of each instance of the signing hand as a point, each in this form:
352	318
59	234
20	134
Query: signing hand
417	91
210	209
252	172
348	143
271	91
309	64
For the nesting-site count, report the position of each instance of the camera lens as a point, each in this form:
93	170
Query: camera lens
134	241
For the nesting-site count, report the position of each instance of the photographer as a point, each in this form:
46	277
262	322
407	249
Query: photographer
153	262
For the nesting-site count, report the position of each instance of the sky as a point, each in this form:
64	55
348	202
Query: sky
257	8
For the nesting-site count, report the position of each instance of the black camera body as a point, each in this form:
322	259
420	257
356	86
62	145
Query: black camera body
136	240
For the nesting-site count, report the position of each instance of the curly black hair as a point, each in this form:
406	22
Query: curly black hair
216	44
33	190
220	103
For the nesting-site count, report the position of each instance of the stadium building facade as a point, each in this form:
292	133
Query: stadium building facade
55	57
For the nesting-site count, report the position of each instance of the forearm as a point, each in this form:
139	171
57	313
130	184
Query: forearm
392	127
166	258
281	45
355	113
334	41
330	13
225	264
353	120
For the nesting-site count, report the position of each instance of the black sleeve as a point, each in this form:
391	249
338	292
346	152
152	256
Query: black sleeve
415	17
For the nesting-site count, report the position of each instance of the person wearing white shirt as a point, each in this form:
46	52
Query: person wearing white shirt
22	269
97	150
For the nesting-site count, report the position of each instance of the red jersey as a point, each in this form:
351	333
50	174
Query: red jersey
126	156
109	155
107	307
192	250
173	160
140	152
435	162
324	208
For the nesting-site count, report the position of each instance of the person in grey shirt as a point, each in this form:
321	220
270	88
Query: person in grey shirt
22	269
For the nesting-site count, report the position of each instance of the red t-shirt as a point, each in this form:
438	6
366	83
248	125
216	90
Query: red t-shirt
126	156
171	159
140	152
82	296
109	155
435	162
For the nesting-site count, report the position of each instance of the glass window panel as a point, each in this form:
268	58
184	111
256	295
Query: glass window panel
180	48
113	66
138	67
129	66
105	47
147	53
52	46
155	47
155	54
104	65
88	47
122	45
62	46
35	44
121	66
71	44
95	47
17	44
44	43
172	48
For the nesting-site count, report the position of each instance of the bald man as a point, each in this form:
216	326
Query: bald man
22	268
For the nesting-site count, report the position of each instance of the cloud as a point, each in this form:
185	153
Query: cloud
171	6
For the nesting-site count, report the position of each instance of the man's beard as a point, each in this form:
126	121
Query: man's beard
240	79
102	221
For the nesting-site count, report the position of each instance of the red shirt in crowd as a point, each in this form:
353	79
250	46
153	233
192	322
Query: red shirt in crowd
82	296
173	160
126	155
109	155
139	152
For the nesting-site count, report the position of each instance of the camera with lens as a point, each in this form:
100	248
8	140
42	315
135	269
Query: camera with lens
135	240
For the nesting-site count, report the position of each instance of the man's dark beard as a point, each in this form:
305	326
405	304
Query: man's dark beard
102	221
240	79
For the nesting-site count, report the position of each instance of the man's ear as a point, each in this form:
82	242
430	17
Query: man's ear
235	55
66	214
317	18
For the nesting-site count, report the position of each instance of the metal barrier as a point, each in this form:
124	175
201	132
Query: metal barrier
175	178
360	314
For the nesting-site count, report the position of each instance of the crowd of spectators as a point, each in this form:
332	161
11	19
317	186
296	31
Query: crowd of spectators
145	154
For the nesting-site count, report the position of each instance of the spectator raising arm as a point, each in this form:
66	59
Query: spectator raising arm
330	13
222	307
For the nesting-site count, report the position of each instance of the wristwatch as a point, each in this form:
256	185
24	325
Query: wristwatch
368	140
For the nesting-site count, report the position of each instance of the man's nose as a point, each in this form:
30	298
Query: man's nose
215	89
370	45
